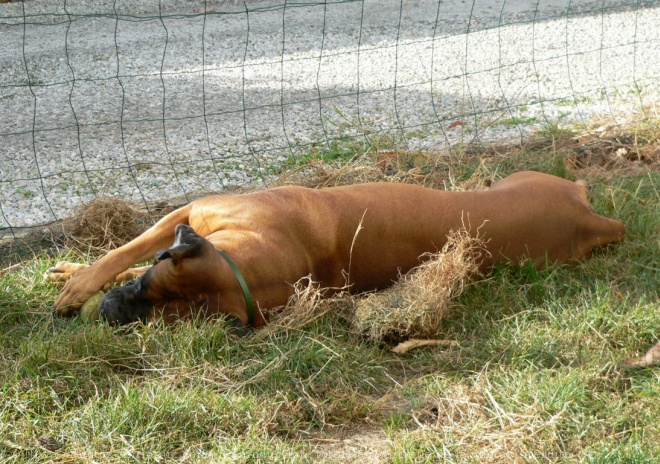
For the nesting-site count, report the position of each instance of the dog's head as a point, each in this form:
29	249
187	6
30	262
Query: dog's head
180	283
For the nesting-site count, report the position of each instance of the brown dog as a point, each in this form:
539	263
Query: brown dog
360	235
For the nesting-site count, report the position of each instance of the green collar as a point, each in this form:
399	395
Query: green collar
244	287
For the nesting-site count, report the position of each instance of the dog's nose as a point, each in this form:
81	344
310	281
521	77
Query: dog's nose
122	305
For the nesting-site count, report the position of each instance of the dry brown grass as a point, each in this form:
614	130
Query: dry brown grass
103	224
610	148
482	428
417	303
307	304
427	169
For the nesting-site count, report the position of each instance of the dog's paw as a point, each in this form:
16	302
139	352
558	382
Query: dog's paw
131	274
62	272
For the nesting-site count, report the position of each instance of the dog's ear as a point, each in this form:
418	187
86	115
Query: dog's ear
180	252
187	244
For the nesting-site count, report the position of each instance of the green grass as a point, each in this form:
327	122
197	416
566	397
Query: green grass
518	121
534	376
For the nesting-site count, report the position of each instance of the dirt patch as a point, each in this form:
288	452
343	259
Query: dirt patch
366	444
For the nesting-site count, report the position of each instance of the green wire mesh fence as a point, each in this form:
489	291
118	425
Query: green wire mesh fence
148	100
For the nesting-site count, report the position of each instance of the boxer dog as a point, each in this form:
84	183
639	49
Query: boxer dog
236	254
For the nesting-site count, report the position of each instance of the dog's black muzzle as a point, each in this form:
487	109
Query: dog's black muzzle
123	305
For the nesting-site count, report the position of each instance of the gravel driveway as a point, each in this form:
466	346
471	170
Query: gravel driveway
145	102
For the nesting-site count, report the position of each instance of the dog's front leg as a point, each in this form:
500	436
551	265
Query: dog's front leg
88	280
